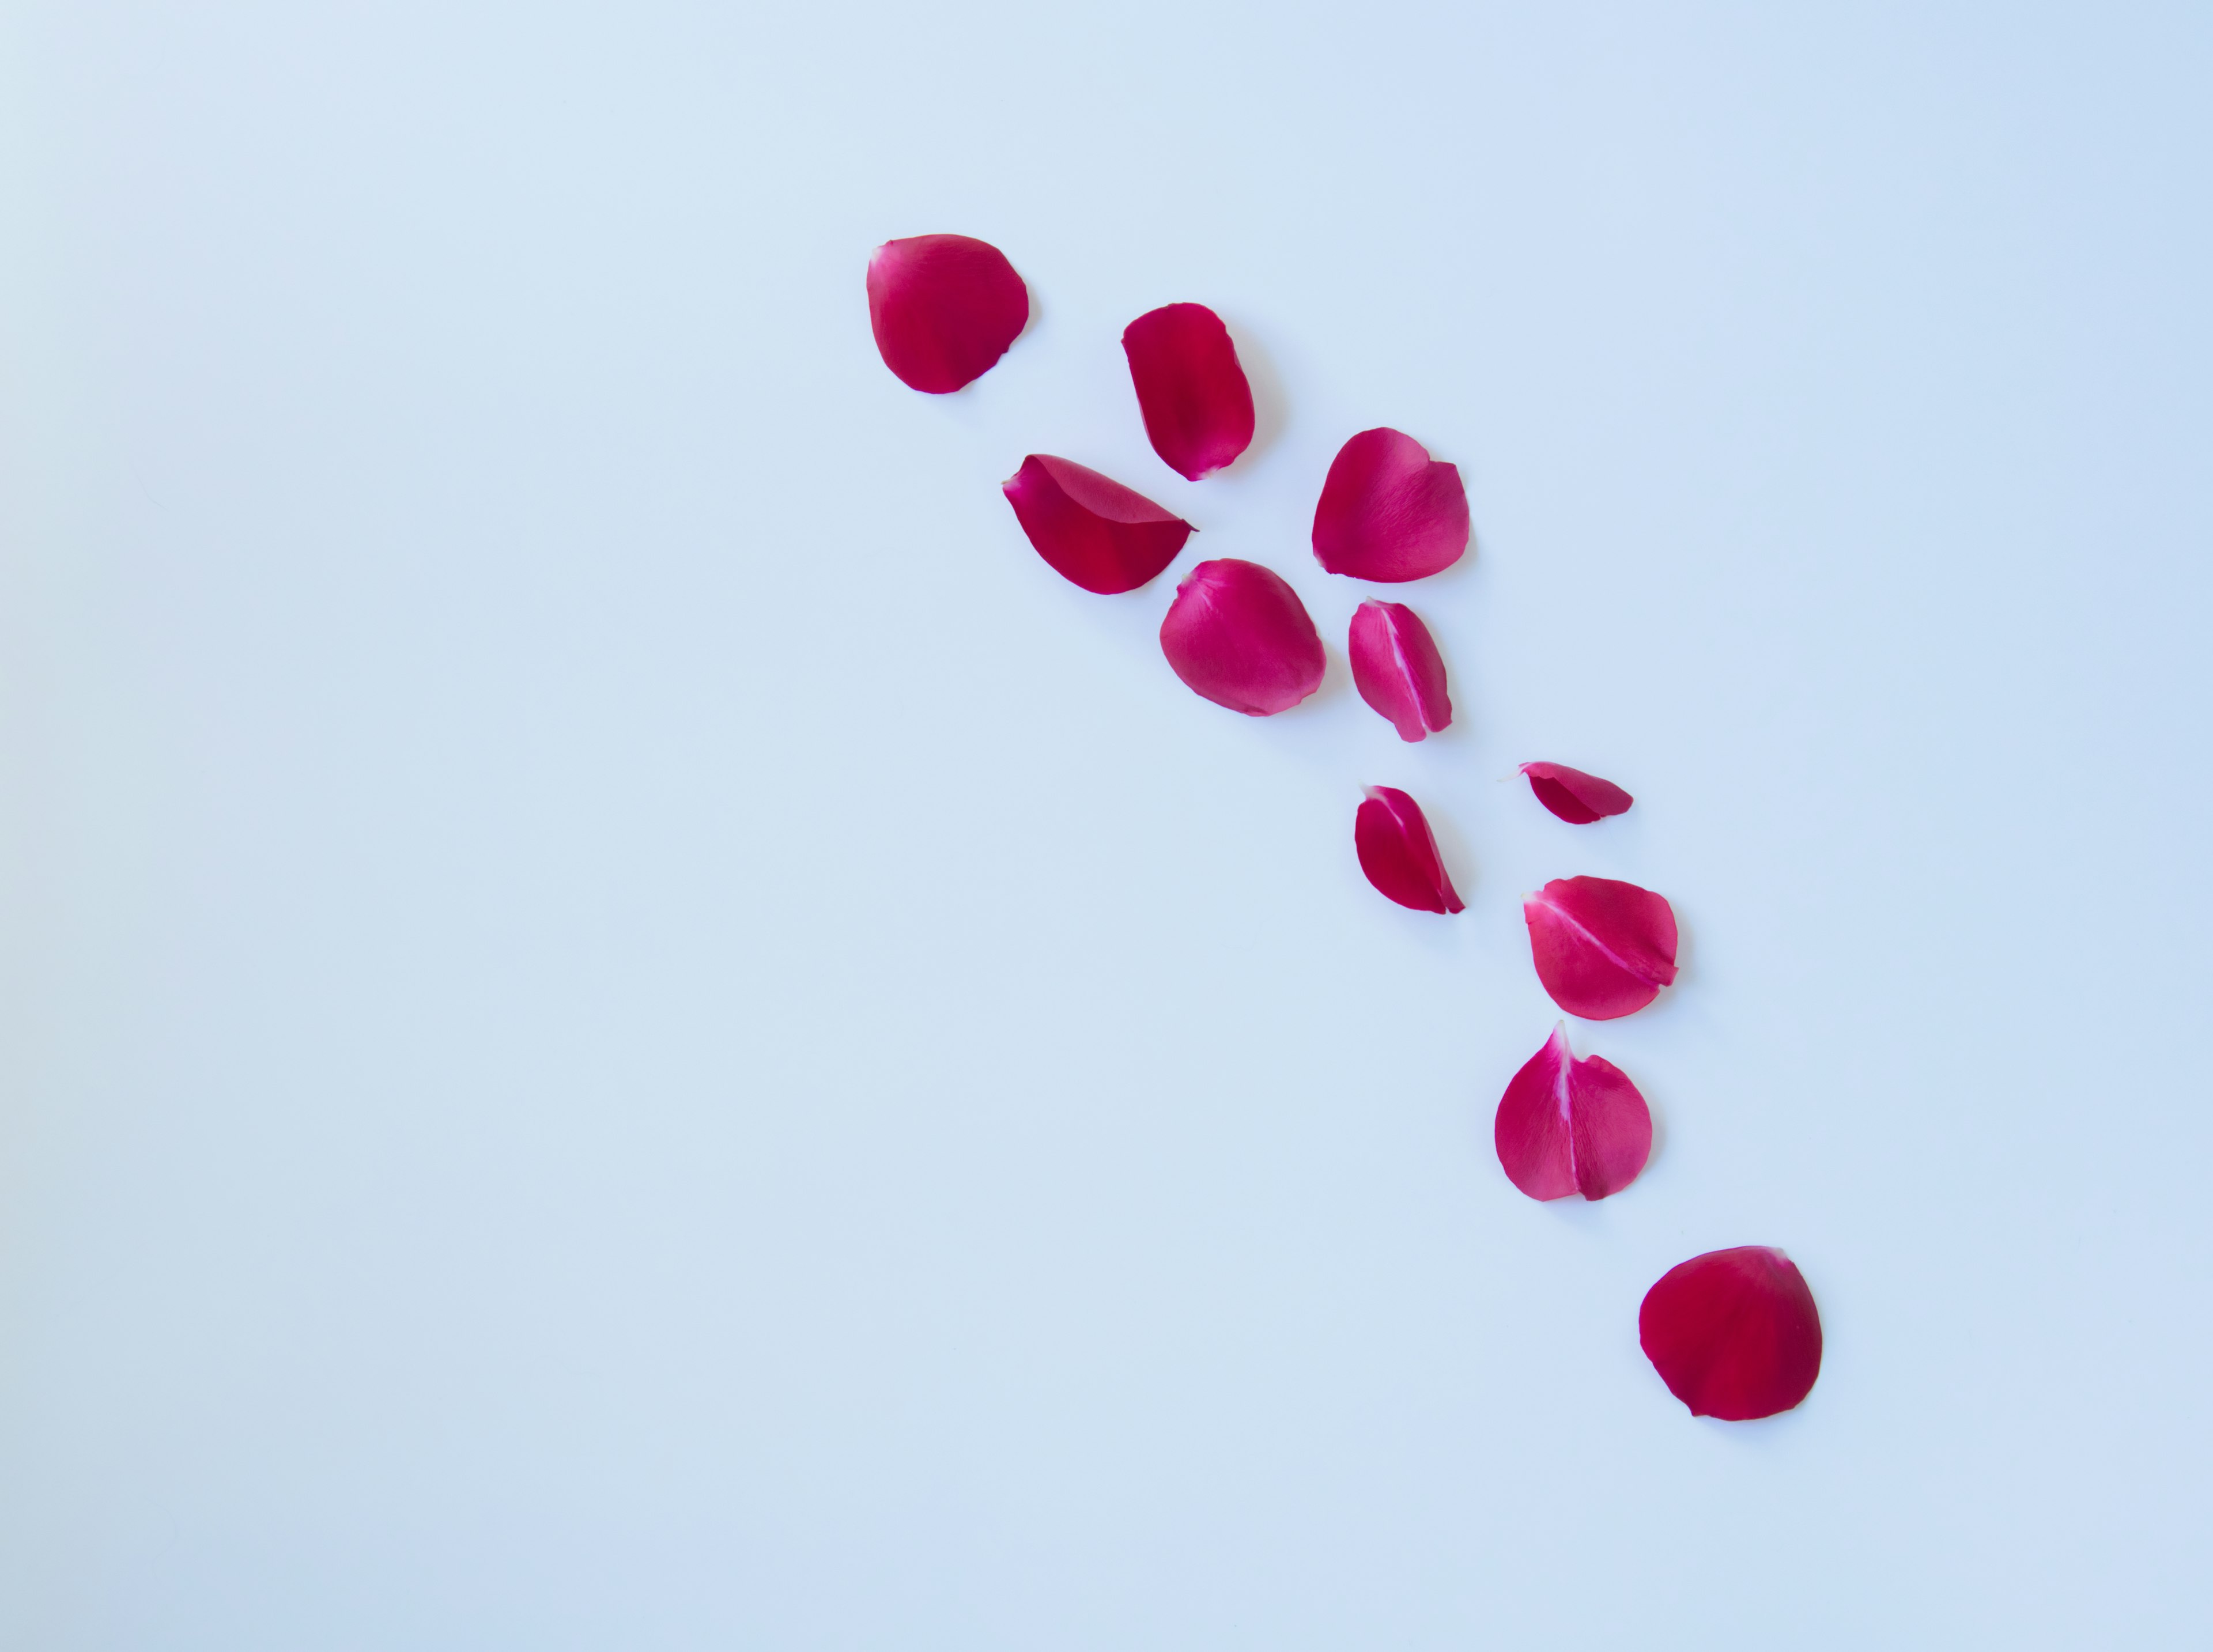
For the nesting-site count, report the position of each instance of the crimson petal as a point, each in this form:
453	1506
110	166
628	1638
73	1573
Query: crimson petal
1575	798
1091	528
1389	511
944	308
1238	636
1198	406
1392	838
1568	1126
1603	949
1733	1334
1396	668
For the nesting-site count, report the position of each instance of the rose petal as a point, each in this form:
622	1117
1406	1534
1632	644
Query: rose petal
1575	798
1568	1126
944	308
1603	949
1733	1334
1198	406
1238	636
1392	837
1091	528
1396	668
1389	511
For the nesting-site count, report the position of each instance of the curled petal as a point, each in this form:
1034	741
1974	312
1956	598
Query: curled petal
1392	837
1603	949
1198	406
1733	1334
1389	511
1238	636
1089	527
1396	668
944	308
1568	1126
1575	798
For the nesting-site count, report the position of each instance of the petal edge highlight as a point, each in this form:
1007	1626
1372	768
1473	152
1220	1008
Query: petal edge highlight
1602	948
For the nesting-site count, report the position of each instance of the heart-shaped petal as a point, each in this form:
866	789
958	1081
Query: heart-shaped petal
1568	1126
1399	853
1733	1334
1389	511
1089	527
1397	669
944	308
1191	388
1602	948
1575	798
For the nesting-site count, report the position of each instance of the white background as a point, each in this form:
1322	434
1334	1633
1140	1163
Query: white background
627	1027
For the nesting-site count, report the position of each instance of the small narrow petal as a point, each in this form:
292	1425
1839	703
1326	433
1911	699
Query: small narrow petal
1398	852
944	308
1575	798
1396	667
1191	388
1389	511
1089	527
1603	949
1733	1334
1568	1126
1238	636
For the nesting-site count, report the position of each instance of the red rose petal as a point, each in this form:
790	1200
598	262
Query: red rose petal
944	308
1389	511
1238	636
1392	837
1603	949
1568	1126
1397	670
1091	528
1575	798
1733	1334
1198	406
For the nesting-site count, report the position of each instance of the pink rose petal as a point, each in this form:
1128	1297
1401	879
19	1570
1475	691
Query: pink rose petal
1603	949
1575	798
1091	528
944	308
1733	1334
1568	1126
1392	837
1198	406
1389	511
1238	636
1396	668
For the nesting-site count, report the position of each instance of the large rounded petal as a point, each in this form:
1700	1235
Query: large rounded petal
1603	949
1733	1334
1091	528
1399	853
1389	511
1575	798
1190	388
1238	636
1568	1126
944	308
1397	669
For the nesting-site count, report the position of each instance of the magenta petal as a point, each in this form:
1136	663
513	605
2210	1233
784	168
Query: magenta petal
1397	670
1091	528
1568	1126
1733	1334
1389	511
1603	949
1392	837
1238	636
1575	798
1198	406
944	308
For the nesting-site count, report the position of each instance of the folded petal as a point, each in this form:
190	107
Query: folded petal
1733	1334
944	308
1389	511
1396	668
1238	636
1568	1126
1392	838
1198	406
1575	798
1603	949
1091	528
